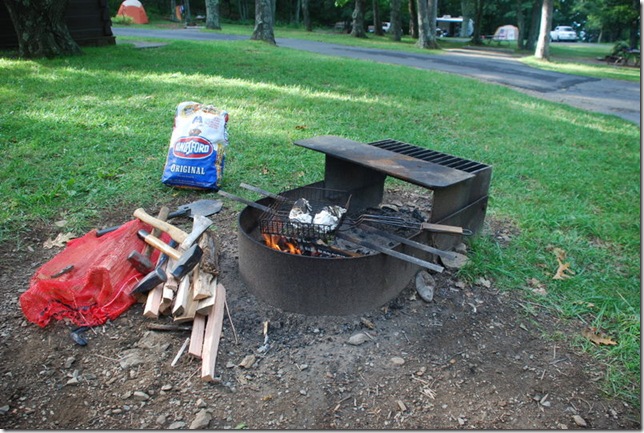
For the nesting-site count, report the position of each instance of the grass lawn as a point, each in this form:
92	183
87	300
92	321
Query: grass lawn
578	58
90	133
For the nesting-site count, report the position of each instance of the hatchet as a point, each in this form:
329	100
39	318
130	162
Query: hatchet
200	224
185	260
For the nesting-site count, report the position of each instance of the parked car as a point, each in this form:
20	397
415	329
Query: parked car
563	33
385	27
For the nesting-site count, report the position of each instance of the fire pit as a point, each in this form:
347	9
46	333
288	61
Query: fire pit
334	281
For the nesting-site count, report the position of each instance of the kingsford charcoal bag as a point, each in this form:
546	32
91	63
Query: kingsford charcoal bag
197	147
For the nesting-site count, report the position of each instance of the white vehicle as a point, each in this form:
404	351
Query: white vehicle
563	33
386	25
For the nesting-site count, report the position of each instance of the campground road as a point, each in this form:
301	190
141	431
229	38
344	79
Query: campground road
613	97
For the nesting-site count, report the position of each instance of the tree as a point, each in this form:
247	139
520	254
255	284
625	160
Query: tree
263	30
396	21
357	25
413	19
41	28
212	15
542	51
467	11
377	22
306	15
478	18
535	18
425	15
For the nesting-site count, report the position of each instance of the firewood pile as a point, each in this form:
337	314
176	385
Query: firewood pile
198	298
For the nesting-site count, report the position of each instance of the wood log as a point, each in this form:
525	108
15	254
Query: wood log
197	335
212	335
209	244
182	296
204	306
153	301
188	305
169	289
202	284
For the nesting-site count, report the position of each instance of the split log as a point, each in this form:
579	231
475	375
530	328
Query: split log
188	305
209	244
197	335
203	284
214	326
153	301
183	295
170	287
204	306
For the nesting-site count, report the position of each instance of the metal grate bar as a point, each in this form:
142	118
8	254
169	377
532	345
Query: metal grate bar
428	155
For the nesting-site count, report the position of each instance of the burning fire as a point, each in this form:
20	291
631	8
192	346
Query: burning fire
280	243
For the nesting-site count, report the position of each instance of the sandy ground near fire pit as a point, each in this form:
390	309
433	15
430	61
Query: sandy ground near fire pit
474	357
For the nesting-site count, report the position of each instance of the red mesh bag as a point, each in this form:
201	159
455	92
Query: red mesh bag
99	285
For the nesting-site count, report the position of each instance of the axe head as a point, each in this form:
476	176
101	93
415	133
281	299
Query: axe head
199	225
187	261
150	281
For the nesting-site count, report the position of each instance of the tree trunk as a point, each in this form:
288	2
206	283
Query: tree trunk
413	19
306	15
478	16
432	9
357	26
423	25
520	25
41	28
534	25
212	15
542	51
173	11
242	9
186	13
467	13
396	21
263	22
377	22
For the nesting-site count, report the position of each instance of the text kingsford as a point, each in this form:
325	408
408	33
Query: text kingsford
192	148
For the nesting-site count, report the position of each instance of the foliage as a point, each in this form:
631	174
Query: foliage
123	20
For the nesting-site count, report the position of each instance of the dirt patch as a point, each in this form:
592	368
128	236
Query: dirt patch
471	358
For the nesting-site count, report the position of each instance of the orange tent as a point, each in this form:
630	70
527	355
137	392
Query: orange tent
134	9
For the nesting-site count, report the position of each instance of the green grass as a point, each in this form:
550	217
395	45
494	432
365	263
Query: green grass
579	59
89	134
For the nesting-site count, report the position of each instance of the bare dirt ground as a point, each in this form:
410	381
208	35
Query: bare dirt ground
472	358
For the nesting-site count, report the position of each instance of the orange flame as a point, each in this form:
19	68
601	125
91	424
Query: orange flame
280	243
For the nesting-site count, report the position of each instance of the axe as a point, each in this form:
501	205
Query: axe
200	224
185	260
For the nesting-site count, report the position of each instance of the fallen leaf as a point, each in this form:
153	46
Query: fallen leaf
597	337
561	271
560	254
301	127
484	282
563	267
60	241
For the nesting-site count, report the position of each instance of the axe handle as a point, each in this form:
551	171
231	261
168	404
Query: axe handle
160	245
442	228
162	216
175	233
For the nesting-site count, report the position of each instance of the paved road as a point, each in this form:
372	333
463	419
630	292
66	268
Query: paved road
619	98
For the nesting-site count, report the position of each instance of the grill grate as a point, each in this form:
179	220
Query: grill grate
432	156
